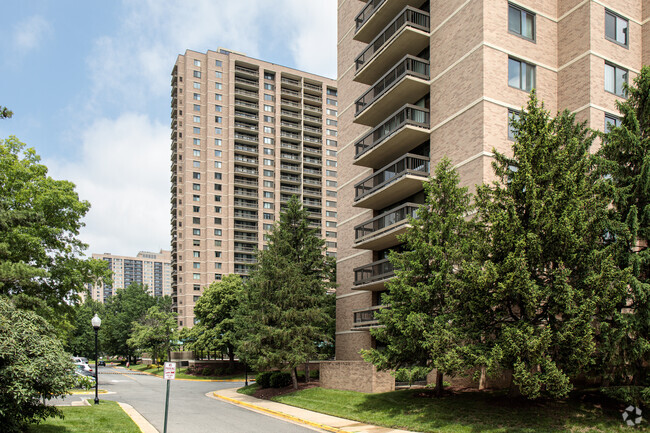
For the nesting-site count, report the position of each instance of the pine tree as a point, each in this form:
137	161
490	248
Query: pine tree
546	274
284	316
625	164
420	328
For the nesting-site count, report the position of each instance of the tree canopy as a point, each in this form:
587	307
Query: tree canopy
154	333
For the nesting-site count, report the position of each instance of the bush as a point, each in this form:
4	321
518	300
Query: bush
207	371
280	379
263	379
83	382
638	396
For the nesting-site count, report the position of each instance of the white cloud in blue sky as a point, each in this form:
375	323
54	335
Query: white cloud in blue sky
89	86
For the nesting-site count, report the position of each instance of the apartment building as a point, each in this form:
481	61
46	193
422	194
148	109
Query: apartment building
150	269
420	80
247	135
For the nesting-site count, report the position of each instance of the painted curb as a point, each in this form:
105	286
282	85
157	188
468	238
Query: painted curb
280	414
196	380
142	423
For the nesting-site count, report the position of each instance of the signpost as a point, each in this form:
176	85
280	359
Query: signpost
169	374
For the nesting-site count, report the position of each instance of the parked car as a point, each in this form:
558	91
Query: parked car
79	370
79	362
101	362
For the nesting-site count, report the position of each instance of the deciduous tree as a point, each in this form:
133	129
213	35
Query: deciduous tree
154	333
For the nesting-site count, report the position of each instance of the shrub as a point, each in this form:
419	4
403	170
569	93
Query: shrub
263	379
207	371
280	379
83	382
636	395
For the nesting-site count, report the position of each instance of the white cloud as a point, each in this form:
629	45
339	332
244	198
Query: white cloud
123	171
29	32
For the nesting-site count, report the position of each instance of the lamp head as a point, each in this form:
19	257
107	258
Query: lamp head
96	321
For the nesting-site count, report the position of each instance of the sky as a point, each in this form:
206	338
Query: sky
89	85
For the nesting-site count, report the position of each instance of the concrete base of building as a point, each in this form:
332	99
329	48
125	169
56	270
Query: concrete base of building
358	376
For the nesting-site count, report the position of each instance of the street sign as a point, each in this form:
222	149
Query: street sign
170	370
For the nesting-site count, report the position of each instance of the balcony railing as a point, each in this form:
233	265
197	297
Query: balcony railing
286	145
408	115
245	93
290	124
247	115
244	247
313	108
408	164
245	159
245	237
387	219
245	214
289	156
245	148
313	150
367	12
289	92
246	203
410	17
246	192
245	226
246	81
312	129
367	317
372	272
313	160
247	70
312	171
313	139
248	126
309	118
290	135
247	104
245	170
409	65
311	202
312	181
290	113
291	167
290	178
311	191
289	103
290	81
245	181
288	188
246	137
313	86
312	97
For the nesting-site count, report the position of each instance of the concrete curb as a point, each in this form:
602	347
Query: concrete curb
142	423
196	380
279	414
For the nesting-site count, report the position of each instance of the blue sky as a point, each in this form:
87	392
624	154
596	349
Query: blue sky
88	83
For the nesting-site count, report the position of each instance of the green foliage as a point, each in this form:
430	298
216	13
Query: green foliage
263	379
280	379
215	312
638	396
33	366
126	306
83	382
422	330
283	320
154	334
5	113
82	337
625	164
545	275
40	219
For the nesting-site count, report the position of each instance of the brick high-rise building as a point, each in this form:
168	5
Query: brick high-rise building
420	80
150	269
246	136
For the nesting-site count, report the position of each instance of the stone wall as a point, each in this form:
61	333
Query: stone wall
355	376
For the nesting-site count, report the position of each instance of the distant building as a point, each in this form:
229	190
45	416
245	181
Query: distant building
149	269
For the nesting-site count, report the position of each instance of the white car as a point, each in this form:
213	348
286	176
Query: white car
83	362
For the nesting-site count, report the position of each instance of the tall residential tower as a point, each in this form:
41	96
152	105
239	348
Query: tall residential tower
420	80
246	136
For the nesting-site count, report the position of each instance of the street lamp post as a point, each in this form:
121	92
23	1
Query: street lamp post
96	322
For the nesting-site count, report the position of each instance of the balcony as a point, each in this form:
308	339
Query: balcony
381	231
246	137
312	192
408	81
313	119
245	214
245	226
314	98
247	83
289	156
241	258
246	160
373	275
289	103
244	126
245	203
291	146
290	135
290	167
312	109
246	115
290	82
313	139
246	71
290	114
289	188
246	237
313	129
291	125
316	87
246	94
313	161
247	104
244	148
408	33
312	150
366	318
246	192
403	131
376	15
251	171
310	181
289	178
244	247
399	179
312	202
313	172
245	181
290	93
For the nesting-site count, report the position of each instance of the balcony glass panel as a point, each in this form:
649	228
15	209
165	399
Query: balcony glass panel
408	164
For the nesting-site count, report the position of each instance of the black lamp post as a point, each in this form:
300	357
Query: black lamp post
97	322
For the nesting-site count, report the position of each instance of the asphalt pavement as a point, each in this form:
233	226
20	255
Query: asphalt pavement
190	410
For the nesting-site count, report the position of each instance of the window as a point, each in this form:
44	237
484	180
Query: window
330	234
330	214
268	108
217	108
268	151
197	107
268	130
614	79
196	220
330	223
330	173
196	232
332	183
197	287
217	97
196	119
217	243
332	92
268	97
196	130
196	198
512	132
268	162
218	74
331	142
217	265
217	164
330	203
331	193
269	75
268	184
217	209
268	205
218	86
331	122
196	141
196	242
331	163
196	187
269	86
216	277
217	187
268	194
268	216
217	153
196	74
197	85
217	254
217	232
218	119
196	175
196	276
268	173
217	221
217	142
521	22
268	119
331	112
218	131
197	62
196	208
196	152
611	121
268	140
217	198
197	97
616	28
218	63
332	132
267	226
217	176
196	265
330	244
521	75
332	102
331	152
196	164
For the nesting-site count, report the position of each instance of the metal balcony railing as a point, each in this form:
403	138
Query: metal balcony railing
313	108
372	272
408	66
246	137
245	148
247	104
245	159
247	115
313	160
245	181
312	97
407	164
245	203
247	70
289	103
245	170
289	145
313	139
312	129
290	81
408	115
387	219
312	150
288	188
367	11
312	118
247	81
367	317
289	156
245	214
313	171
312	181
245	92
246	192
409	17
289	92
245	226
313	86
290	135
290	113
248	126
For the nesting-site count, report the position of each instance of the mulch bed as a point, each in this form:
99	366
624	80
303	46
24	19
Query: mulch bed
268	393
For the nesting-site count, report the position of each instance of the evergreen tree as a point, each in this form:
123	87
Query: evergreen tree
284	316
625	164
546	274
420	330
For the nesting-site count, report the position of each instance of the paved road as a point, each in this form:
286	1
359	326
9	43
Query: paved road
190	410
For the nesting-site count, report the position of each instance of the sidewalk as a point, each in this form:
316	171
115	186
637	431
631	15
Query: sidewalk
302	416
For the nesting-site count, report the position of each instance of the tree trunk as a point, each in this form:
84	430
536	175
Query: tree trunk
439	384
231	357
514	391
294	378
482	382
307	372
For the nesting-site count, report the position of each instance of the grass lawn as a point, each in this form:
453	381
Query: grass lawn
180	374
105	417
249	390
467	412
